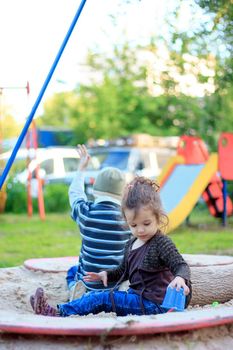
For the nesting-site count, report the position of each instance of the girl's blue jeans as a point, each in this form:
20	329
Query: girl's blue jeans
126	303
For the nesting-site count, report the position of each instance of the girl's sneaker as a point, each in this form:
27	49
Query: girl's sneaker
40	306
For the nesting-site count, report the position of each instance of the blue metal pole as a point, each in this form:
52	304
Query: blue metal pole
224	192
42	91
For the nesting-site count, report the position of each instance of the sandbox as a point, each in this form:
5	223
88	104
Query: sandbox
16	316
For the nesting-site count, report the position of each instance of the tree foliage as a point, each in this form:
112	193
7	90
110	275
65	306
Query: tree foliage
8	126
219	105
118	99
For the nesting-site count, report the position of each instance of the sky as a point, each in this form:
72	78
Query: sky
32	31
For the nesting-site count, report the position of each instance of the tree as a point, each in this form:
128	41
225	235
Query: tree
117	105
58	110
119	100
219	104
9	127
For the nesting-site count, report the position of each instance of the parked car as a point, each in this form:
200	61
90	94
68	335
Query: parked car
59	164
131	160
55	164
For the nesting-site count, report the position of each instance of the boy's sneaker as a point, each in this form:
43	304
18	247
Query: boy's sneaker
77	291
40	306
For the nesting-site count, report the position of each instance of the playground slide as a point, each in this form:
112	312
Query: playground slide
182	185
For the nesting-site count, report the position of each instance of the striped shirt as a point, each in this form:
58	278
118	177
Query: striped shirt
102	228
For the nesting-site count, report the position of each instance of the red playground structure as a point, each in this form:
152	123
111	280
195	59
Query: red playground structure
194	151
225	165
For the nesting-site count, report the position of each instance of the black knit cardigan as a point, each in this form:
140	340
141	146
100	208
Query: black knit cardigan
162	253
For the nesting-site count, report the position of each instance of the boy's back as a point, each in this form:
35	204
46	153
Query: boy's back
102	228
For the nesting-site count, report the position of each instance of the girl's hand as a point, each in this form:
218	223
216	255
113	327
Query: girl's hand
178	283
84	157
93	276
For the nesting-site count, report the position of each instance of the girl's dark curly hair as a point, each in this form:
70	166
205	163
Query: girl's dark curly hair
140	192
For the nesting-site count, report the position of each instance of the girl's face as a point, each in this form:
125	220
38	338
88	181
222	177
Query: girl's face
144	225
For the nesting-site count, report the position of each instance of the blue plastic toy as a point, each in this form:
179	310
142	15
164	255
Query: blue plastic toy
174	300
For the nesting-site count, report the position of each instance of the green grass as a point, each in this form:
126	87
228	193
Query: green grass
205	234
24	238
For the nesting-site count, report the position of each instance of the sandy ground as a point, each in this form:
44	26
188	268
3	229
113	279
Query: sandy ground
18	283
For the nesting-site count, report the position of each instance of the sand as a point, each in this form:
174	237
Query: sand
18	283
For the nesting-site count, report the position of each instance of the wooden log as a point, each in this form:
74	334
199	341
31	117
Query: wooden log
211	275
212	278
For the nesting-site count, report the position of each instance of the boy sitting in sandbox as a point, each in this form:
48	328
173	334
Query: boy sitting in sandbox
102	228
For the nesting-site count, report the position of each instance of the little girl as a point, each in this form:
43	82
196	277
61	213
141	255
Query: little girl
151	263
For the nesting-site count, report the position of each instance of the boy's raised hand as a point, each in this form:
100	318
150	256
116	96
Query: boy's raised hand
84	157
93	276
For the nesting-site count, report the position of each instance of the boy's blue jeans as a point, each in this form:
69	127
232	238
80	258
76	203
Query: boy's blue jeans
71	276
126	303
